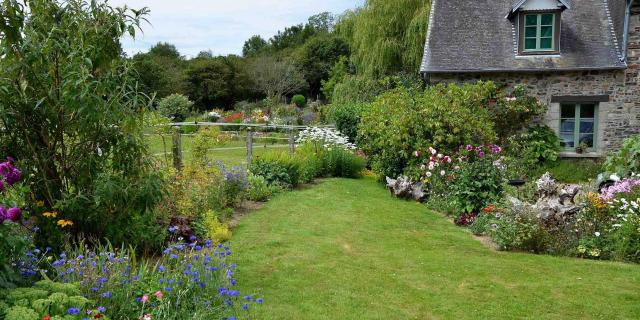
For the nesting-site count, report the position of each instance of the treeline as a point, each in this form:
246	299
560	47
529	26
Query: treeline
383	38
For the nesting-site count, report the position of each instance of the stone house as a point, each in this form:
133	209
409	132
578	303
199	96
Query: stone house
580	57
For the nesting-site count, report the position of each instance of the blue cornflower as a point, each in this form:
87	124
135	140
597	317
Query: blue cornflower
102	309
259	300
107	294
173	229
73	311
192	238
222	291
247	297
245	307
161	268
198	248
234	293
173	256
168	289
208	243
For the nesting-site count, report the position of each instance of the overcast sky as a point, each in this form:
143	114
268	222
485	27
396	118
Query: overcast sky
221	26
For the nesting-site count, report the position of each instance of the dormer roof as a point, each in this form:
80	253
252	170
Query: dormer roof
538	5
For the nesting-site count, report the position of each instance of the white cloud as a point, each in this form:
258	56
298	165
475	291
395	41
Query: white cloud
221	26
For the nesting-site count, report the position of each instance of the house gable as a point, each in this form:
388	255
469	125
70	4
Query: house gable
475	36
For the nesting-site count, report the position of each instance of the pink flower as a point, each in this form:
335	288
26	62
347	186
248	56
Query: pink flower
145	298
158	294
469	147
432	151
417	153
447	159
14	214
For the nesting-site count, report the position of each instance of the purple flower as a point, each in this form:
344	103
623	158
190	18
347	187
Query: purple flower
102	309
469	147
73	311
3	214
14	214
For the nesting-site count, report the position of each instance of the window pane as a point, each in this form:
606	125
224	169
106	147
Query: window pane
546	43
568	111
587	139
530	44
530	32
546	31
567	140
547	19
531	20
567	125
587	111
586	126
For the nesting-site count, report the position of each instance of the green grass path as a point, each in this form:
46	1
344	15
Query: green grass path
345	249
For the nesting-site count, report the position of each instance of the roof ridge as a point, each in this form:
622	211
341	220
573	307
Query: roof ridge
612	30
427	51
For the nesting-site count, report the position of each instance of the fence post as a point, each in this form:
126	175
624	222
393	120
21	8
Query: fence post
292	145
249	146
176	149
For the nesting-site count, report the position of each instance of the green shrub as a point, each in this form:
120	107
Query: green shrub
519	229
318	160
259	190
528	150
299	100
176	106
354	89
400	122
347	118
277	168
627	160
510	114
478	184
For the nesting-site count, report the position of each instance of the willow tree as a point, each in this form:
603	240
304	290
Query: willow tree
387	36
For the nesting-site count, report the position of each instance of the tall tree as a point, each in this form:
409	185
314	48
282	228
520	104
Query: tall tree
320	54
254	46
166	50
387	37
322	22
160	71
277	77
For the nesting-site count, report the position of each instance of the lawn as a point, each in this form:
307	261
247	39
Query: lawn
344	249
231	153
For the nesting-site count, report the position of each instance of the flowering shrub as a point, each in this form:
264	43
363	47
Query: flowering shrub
189	281
473	175
12	234
325	137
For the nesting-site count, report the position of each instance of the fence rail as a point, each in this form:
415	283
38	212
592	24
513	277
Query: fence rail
251	137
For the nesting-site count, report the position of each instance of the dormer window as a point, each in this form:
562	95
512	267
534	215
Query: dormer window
538	23
539	32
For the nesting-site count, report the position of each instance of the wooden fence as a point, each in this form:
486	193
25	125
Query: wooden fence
250	128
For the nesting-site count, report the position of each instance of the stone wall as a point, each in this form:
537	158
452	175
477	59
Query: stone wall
619	117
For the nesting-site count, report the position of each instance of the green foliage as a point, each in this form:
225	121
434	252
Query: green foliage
511	114
44	298
259	190
206	139
336	75
627	160
13	243
519	228
176	107
213	229
220	81
570	170
299	100
529	150
387	36
333	161
320	54
356	89
402	121
277	168
254	46
72	111
347	118
477	185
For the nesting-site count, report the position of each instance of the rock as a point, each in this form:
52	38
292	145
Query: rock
405	188
555	202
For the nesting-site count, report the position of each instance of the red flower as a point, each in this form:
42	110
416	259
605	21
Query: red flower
47	317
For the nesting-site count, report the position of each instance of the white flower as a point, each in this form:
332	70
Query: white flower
614	177
432	151
442	173
99	152
429	174
597	234
440	156
432	165
617	225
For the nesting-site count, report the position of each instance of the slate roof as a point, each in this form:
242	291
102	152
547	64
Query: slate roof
475	36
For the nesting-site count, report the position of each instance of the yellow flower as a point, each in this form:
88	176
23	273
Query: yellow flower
582	249
40	203
64	223
50	214
595	252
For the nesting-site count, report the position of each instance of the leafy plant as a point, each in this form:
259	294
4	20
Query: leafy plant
277	168
259	190
627	160
299	100
176	107
347	118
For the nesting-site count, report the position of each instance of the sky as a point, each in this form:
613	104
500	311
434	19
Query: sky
221	26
